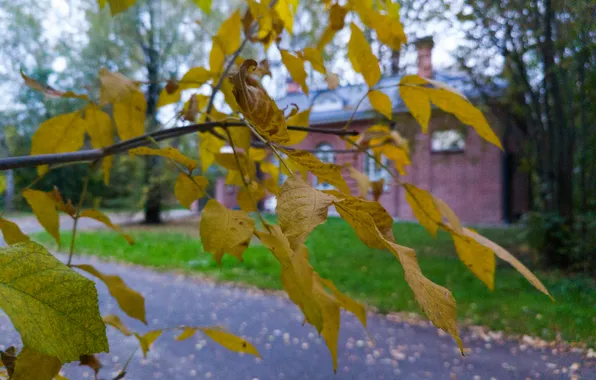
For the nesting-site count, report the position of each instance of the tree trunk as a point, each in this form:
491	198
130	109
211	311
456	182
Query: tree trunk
152	163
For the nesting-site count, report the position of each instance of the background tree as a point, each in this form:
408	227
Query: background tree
542	54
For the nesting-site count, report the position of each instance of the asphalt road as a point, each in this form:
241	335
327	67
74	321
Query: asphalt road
292	351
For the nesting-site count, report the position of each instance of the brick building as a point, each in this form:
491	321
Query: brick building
481	183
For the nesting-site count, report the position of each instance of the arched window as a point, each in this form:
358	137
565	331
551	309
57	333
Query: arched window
324	152
376	172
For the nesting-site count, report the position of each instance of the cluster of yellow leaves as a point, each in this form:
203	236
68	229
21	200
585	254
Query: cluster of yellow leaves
475	251
300	207
66	133
418	93
383	141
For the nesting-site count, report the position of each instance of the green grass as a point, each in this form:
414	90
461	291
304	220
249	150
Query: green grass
376	277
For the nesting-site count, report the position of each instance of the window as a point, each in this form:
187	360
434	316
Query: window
376	172
324	152
447	141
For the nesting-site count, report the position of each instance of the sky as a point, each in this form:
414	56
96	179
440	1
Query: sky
63	21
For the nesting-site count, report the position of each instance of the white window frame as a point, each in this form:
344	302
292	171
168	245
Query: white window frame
325	154
447	141
376	172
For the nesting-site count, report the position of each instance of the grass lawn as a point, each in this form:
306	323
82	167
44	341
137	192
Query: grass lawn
374	276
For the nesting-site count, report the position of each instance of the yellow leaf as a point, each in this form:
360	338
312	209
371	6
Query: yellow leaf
187	190
361	56
258	108
228	90
315	57
248	198
435	301
60	134
389	29
147	340
257	154
296	68
423	207
54	309
115	87
230	341
346	302
298	120
216	56
416	99
44	208
362	180
229	33
114	321
49	91
330	310
11	232
188	332
101	217
99	127
119	6
381	102
273	171
377	188
399	156
205	5
241	137
300	208
228	161
479	259
325	172
166	97
508	257
286	10
371	222
448	213
326	37
194	78
171	153
209	145
296	273
464	110
129	116
225	231
31	365
129	300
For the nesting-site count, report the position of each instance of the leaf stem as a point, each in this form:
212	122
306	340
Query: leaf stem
78	212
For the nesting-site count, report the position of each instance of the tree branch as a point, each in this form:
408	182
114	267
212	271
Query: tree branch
124	146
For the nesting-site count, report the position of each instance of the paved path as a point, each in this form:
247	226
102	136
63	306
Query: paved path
292	351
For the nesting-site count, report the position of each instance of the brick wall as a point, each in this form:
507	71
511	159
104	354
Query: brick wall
469	181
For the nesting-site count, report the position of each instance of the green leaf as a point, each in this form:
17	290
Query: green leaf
31	365
54	308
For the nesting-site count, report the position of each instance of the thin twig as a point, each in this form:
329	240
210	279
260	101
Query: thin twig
124	146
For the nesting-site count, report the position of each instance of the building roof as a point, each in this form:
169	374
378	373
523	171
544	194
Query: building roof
336	106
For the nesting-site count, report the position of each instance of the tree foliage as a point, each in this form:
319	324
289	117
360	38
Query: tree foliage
66	325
